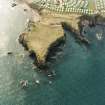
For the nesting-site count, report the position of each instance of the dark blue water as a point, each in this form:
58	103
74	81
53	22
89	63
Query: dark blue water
80	70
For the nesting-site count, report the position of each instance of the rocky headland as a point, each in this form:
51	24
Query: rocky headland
39	38
49	31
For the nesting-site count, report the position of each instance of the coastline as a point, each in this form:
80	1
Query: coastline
54	24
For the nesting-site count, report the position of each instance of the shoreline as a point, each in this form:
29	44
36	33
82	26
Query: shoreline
49	30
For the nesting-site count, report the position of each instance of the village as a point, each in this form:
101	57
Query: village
76	6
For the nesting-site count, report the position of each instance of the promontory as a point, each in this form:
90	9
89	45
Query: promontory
49	30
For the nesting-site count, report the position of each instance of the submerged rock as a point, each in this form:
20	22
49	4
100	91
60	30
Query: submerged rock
25	10
24	83
14	4
10	53
50	82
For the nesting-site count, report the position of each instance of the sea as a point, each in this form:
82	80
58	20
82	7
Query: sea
80	69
